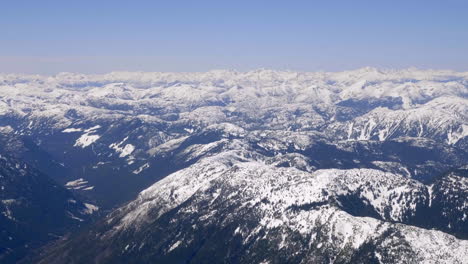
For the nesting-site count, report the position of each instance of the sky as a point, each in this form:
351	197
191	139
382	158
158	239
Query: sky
49	36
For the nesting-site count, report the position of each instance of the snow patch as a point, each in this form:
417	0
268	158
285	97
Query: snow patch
141	168
86	140
174	246
72	216
454	136
124	151
72	130
90	208
79	184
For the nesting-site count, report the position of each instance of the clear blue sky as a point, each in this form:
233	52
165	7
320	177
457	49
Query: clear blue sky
101	36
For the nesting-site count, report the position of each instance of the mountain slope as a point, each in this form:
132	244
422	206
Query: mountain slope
103	128
228	208
34	209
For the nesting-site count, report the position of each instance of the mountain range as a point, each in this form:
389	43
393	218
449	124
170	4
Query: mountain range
362	166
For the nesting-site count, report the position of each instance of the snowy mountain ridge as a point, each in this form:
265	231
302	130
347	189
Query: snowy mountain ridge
375	103
301	215
363	166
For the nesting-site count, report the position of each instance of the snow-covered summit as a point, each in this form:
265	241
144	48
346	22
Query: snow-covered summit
297	100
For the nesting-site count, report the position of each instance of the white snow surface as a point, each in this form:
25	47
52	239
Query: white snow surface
250	183
71	130
86	140
123	149
90	208
434	103
79	184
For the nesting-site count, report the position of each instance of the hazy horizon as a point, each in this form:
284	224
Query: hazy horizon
381	69
49	37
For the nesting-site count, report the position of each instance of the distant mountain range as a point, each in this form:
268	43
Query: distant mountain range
364	166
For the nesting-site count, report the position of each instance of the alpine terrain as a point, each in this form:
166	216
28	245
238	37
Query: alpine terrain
363	166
